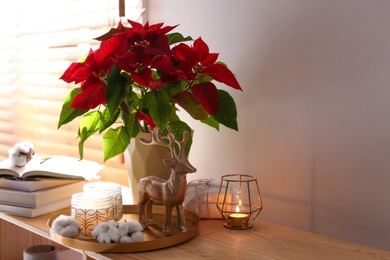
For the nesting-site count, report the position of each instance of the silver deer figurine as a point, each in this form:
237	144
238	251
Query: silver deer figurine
169	192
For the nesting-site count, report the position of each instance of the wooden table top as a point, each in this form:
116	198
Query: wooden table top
262	241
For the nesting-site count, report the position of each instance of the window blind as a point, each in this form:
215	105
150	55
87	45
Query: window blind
38	41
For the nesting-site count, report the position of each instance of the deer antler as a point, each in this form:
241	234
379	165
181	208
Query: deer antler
182	144
158	139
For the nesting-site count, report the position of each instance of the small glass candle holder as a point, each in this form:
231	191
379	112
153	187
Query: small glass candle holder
239	200
114	189
90	209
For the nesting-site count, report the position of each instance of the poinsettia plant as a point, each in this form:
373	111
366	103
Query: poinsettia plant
138	78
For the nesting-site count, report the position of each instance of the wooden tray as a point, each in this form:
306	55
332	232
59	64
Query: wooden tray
154	239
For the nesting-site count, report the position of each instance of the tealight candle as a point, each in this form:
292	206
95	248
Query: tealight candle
91	209
238	220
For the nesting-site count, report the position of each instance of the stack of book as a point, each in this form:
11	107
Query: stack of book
43	186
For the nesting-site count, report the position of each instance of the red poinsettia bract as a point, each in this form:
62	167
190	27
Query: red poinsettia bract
197	60
139	74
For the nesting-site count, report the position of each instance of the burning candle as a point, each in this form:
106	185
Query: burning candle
238	219
91	209
113	189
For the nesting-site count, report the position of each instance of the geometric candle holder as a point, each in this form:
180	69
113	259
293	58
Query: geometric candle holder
239	200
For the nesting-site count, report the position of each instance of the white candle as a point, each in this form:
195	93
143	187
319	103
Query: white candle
91	209
111	188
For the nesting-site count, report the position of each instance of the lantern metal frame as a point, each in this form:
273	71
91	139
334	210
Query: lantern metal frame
239	200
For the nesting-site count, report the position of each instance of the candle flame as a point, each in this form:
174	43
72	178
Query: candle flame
238	198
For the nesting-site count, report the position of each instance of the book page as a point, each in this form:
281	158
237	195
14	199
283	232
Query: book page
8	168
64	167
54	166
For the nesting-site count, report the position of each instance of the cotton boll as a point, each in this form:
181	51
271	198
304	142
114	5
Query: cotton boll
100	229
59	223
71	221
106	232
112	223
100	232
72	228
70	231
123	228
18	160
122	232
134	226
66	226
113	233
26	147
21	153
63	221
125	239
137	236
103	238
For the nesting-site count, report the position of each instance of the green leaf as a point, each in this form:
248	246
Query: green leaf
173	88
227	112
68	114
210	121
116	89
89	124
177	37
115	141
191	104
90	121
157	102
107	119
174	116
205	78
131	123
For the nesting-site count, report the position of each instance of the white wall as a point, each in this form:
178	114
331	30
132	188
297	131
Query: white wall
314	116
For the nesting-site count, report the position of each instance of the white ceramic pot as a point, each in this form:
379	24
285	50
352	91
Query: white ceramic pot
144	160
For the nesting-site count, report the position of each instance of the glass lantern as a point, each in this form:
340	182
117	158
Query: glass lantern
239	200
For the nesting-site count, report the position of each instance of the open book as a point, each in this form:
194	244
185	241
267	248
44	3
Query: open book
55	166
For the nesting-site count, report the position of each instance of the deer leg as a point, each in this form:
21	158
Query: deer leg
148	211
167	224
141	212
181	218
